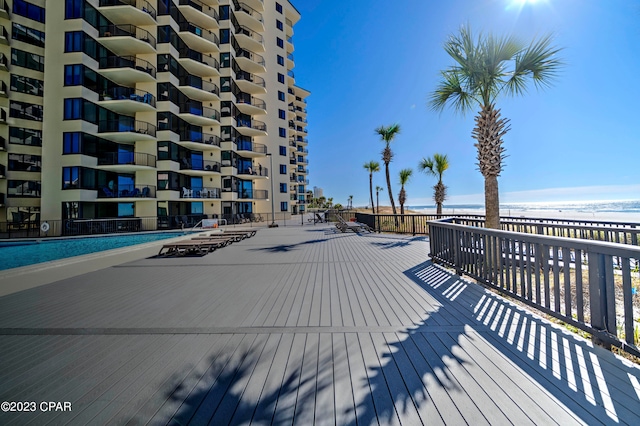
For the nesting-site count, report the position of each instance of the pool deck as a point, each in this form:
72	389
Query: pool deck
297	325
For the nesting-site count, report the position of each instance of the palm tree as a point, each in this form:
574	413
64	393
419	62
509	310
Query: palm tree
405	174
378	189
485	68
330	202
435	167
387	134
321	201
350	202
372	167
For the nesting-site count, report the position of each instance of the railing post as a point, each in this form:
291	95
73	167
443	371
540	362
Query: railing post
413	224
598	295
457	253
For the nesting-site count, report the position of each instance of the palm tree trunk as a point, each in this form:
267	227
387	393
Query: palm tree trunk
491	202
439	209
393	204
371	192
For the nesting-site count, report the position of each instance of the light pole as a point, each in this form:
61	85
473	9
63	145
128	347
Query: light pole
273	223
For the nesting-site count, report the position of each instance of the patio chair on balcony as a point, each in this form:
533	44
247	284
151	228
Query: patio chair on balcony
134	193
187	193
146	192
108	192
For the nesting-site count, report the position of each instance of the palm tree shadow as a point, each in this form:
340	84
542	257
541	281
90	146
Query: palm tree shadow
398	243
283	248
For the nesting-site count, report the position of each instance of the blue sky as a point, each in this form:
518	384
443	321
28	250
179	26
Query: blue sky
374	62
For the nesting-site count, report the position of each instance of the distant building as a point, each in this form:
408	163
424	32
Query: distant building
317	192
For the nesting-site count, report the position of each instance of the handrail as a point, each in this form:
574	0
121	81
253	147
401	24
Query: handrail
549	273
127	30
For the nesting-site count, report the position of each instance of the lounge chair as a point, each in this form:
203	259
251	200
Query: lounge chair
188	247
356	227
319	219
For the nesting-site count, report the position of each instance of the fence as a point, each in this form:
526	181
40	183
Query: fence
588	284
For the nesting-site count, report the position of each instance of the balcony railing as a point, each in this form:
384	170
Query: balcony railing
254	57
293	161
110	62
243	145
204	138
199	110
186	53
128	93
122	158
256	194
128	191
127	30
241	7
198	83
4	64
250	33
259	171
200	32
143	5
200	192
253	124
199	165
245	76
246	99
134	126
201	7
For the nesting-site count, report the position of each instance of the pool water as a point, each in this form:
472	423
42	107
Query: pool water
23	253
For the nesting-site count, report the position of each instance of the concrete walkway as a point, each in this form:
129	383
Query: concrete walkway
298	325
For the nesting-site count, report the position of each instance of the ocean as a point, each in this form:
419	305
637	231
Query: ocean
540	208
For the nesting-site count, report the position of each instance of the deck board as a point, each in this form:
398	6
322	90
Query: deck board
300	325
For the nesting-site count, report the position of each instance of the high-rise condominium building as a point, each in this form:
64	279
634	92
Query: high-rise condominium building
144	114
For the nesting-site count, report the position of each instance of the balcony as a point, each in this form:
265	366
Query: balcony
250	149
3	90
126	161
127	70
3	116
127	191
4	11
127	101
290	61
203	15
288	28
3	144
256	194
289	44
302	170
291	77
136	12
198	38
255	4
200	141
4	35
292	161
199	64
250	62
198	193
126	130
126	39
195	113
249	17
249	173
196	88
199	167
248	39
302	150
250	105
250	83
251	127
3	171
4	63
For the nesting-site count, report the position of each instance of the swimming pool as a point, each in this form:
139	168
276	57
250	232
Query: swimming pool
14	254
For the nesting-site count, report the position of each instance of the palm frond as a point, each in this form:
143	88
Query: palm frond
538	61
451	90
405	175
426	165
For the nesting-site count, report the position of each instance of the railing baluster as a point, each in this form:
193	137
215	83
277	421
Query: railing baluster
566	265
556	279
579	292
627	301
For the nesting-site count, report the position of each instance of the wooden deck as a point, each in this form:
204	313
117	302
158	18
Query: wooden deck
299	325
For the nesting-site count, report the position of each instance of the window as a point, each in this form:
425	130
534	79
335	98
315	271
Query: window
23	188
278	8
25	163
281	95
283	169
20	136
280	78
28	10
25	111
72	143
283	150
284	206
280	60
73	41
31	86
279	25
279	42
73	9
225	60
73	75
283	188
282	132
28	35
282	114
27	60
224	36
73	109
70	177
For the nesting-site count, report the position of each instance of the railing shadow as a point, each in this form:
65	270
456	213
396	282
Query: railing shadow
284	248
591	382
399	242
